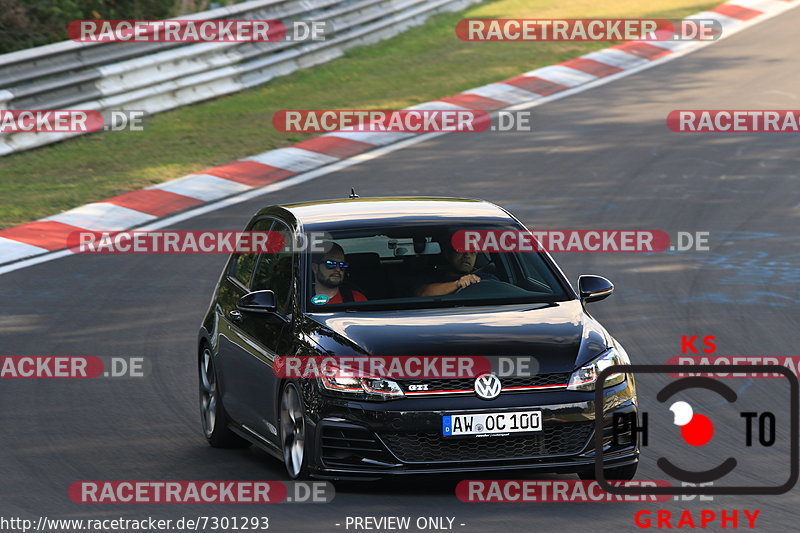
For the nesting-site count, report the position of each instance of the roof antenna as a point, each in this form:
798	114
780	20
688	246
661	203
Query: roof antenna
353	194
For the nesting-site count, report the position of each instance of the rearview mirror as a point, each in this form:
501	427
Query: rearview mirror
258	302
594	288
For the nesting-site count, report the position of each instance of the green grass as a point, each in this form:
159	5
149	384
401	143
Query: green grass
425	63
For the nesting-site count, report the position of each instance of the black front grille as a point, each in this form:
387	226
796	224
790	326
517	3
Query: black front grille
435	385
350	445
556	439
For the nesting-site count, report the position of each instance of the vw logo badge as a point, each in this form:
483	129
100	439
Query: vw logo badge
487	386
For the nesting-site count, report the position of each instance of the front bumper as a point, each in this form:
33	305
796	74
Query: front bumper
375	439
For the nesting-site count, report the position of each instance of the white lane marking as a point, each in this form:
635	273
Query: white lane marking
12	249
724	20
202	187
102	216
562	75
294	159
617	58
674	46
375	138
758	5
437	105
505	93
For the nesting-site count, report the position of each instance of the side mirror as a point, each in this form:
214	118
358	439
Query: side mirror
258	302
594	288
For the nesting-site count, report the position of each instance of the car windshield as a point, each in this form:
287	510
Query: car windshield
416	267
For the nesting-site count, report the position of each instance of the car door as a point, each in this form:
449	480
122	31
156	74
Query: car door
261	337
234	345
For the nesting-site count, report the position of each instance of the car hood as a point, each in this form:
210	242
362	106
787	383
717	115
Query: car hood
561	336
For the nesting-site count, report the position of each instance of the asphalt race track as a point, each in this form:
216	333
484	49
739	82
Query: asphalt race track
599	159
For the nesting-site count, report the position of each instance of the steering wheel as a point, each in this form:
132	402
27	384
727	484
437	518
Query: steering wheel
474	285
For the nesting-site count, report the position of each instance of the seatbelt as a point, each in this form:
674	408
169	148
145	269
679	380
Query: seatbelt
346	294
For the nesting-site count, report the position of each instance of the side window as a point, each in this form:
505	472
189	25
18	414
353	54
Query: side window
274	272
244	264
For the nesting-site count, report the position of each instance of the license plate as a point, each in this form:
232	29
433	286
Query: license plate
491	423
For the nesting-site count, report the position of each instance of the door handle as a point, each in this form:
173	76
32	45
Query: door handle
235	315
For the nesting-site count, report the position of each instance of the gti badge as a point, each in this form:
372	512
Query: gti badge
487	386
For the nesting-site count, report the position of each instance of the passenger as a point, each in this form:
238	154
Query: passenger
329	270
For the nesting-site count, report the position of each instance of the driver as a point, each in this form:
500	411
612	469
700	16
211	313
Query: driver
455	274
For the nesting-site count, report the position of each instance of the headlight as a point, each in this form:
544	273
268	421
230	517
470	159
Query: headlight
585	378
367	387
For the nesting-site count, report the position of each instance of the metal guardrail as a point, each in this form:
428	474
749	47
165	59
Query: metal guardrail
155	77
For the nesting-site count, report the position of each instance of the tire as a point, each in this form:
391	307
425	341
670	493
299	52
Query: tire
621	473
294	441
212	413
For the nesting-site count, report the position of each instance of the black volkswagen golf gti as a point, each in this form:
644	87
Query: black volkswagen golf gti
389	283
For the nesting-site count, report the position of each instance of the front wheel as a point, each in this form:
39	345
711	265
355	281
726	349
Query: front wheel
293	432
212	413
621	473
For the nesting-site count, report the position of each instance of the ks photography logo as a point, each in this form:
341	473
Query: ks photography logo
694	430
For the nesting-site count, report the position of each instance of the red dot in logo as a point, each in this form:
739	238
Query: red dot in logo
698	431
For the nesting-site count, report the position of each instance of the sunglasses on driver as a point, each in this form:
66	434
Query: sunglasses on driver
330	265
